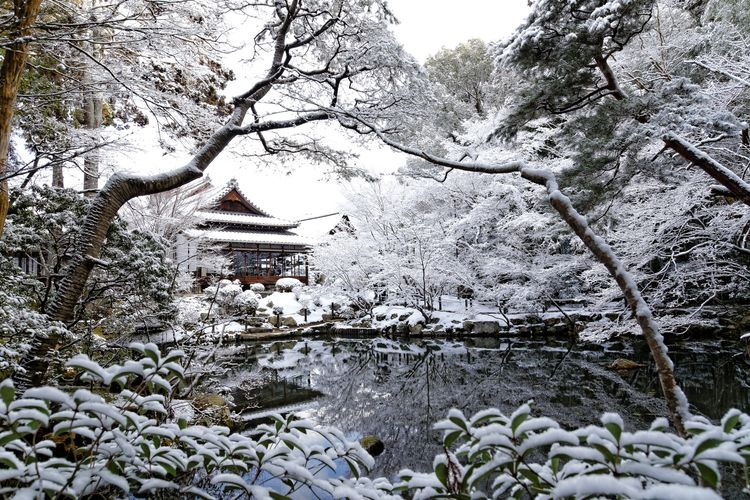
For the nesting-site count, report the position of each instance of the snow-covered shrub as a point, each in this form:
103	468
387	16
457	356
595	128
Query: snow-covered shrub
491	455
258	287
227	293
348	312
247	302
19	321
224	292
189	310
287	284
75	444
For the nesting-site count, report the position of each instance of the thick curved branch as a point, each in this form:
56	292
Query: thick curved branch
739	188
122	188
676	400
609	77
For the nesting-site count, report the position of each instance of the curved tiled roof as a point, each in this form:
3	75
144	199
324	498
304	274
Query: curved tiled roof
249	237
240	218
233	185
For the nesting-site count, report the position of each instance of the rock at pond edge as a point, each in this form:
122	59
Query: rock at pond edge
372	445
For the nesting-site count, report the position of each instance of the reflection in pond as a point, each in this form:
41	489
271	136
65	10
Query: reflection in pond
397	390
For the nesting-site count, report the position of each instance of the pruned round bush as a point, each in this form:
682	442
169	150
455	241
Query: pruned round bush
210	291
247	302
258	287
224	292
287	284
227	293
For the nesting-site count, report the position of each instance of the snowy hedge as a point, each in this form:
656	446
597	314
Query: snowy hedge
247	302
287	284
54	442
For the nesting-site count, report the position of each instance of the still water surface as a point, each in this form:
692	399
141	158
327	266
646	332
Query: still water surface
396	390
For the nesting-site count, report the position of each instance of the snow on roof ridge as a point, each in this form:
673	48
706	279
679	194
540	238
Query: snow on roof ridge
250	237
224	215
227	212
233	184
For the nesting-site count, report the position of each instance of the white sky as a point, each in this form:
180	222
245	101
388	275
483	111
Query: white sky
425	27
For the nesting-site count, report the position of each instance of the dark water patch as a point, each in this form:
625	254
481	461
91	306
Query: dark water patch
711	373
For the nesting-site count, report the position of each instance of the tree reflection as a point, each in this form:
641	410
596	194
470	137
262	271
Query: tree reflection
396	390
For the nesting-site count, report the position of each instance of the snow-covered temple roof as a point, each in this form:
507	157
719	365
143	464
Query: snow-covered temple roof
249	237
240	218
226	215
215	198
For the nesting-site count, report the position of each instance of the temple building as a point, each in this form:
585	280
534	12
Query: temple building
247	243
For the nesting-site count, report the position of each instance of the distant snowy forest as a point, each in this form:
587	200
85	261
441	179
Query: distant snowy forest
592	164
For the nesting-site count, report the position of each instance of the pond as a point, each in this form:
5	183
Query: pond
397	389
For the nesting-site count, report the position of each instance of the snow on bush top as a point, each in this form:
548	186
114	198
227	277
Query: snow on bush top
248	300
287	284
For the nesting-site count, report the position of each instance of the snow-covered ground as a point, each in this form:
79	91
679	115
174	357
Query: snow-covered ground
228	312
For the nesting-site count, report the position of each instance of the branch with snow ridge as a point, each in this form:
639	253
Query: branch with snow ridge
739	188
676	400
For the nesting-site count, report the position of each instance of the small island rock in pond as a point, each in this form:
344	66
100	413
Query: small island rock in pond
372	445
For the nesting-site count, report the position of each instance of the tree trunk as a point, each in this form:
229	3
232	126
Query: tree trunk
93	121
92	107
58	179
14	61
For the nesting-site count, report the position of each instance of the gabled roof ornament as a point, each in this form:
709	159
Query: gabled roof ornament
233	185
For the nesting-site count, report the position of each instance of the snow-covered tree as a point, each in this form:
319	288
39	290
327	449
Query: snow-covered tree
103	68
317	57
399	248
132	286
422	239
465	71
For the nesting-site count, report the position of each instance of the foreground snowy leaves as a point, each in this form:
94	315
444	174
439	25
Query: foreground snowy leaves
76	444
57	443
497	456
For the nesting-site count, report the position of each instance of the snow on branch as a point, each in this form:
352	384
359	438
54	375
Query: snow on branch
739	188
677	402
